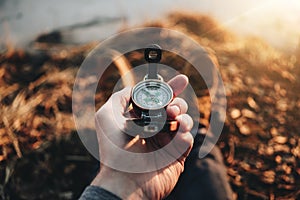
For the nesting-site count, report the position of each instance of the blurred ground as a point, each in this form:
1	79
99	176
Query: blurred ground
42	157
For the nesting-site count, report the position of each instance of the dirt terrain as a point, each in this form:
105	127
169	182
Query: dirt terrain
41	156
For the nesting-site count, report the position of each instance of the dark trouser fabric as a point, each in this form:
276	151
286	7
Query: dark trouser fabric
204	178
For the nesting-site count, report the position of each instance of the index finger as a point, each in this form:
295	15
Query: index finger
178	84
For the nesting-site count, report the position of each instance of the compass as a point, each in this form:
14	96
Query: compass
151	96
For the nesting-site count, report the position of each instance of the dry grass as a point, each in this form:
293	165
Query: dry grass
260	142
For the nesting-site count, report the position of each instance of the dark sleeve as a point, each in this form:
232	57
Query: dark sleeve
97	193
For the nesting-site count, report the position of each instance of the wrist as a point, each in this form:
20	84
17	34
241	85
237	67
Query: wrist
118	183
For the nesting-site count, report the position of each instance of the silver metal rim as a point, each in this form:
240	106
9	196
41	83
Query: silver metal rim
151	80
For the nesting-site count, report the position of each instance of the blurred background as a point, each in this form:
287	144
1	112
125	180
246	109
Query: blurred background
43	43
276	21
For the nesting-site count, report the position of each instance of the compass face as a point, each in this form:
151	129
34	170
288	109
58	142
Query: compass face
152	94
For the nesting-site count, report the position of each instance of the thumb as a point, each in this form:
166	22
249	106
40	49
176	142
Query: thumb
119	101
112	112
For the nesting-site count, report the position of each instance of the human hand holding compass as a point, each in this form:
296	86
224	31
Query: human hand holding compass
155	184
151	98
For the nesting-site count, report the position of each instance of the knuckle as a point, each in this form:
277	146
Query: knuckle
181	103
185	121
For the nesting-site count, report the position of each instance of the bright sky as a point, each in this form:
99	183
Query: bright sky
277	21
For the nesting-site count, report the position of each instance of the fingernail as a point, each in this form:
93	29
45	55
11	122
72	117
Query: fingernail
175	109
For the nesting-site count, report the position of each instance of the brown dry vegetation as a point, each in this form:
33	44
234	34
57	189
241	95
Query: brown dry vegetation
42	157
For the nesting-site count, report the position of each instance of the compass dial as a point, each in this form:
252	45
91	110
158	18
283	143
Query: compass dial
152	94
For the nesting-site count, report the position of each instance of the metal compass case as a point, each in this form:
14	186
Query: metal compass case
149	99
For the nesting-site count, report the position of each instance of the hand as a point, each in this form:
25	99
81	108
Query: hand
110	121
